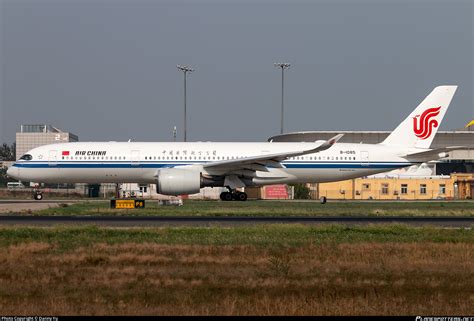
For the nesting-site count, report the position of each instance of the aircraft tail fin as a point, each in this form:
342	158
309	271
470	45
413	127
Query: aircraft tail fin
420	127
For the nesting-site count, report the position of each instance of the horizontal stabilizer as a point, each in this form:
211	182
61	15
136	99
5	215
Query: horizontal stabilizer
432	154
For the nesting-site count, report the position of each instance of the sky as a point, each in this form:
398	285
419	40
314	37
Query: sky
106	69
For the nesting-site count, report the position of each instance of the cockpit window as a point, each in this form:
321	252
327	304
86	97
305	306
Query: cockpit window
26	157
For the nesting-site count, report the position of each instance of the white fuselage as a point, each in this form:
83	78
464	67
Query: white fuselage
121	162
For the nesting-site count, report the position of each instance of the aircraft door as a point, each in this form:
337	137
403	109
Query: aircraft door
364	158
135	157
53	158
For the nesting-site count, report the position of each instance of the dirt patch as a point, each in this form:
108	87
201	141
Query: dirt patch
155	279
25	207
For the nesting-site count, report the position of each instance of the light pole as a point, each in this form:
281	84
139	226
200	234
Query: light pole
283	66
185	70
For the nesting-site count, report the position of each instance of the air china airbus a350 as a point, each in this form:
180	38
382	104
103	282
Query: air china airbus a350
185	168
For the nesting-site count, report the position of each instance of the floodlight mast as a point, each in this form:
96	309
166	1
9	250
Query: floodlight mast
185	70
283	66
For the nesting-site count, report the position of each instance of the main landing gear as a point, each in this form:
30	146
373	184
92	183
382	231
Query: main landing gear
233	196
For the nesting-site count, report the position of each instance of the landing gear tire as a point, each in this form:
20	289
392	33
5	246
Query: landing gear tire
226	196
323	200
241	197
38	196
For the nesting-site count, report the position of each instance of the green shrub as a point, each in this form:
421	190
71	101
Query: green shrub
301	192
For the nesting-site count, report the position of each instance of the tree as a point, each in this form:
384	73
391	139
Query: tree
8	152
3	177
301	192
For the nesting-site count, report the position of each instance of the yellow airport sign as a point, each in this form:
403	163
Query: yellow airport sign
127	203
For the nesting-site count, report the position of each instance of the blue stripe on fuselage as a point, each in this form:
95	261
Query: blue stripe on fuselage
125	164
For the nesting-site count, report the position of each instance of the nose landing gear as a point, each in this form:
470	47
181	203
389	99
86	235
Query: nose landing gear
37	195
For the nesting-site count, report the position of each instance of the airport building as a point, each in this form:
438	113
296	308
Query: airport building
441	187
32	136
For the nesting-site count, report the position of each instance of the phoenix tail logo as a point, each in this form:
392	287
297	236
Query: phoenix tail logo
423	125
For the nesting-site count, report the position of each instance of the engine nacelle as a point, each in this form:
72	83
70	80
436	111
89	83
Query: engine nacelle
178	181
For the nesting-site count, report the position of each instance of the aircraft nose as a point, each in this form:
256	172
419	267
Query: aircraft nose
13	172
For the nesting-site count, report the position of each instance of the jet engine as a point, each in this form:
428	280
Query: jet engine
178	181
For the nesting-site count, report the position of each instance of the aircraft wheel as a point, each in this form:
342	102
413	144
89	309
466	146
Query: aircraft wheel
38	196
323	200
226	196
242	197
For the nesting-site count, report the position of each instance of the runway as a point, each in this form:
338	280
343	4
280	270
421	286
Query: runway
158	221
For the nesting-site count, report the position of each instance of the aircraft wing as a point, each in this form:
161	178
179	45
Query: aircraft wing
432	154
259	163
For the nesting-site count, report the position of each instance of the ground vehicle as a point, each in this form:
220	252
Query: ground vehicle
15	185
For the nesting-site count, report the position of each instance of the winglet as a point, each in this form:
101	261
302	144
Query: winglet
327	144
335	139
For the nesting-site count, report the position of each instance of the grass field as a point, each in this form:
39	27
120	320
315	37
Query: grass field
272	208
259	270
